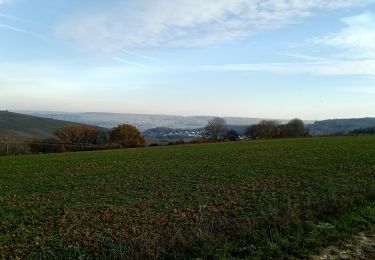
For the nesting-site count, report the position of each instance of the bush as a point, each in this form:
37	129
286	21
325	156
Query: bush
49	145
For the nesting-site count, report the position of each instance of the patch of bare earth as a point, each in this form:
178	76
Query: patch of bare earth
361	246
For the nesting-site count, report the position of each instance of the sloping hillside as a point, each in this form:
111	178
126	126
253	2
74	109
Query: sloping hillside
29	126
340	126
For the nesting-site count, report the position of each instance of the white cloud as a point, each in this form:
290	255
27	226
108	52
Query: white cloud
361	90
2	2
188	23
352	53
357	39
320	68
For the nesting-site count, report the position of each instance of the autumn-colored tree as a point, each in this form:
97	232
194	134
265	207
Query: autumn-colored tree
77	135
127	136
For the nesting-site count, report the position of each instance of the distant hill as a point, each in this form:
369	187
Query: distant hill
43	124
340	126
142	121
29	126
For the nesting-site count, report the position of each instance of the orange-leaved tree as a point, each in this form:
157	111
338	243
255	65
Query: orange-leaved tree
77	134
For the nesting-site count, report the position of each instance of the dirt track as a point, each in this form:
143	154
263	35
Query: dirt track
362	246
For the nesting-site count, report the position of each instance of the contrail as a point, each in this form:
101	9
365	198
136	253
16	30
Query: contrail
305	57
15	18
15	29
136	64
10	17
131	62
139	55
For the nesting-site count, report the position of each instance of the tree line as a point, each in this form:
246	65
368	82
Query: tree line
217	129
269	129
363	131
84	137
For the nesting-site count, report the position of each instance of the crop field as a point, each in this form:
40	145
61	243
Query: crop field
278	198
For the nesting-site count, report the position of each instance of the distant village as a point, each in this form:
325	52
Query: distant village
163	132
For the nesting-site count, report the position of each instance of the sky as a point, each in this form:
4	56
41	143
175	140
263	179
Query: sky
311	59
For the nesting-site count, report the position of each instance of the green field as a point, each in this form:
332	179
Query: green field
278	198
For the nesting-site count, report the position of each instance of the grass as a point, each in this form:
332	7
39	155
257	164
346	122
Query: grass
280	198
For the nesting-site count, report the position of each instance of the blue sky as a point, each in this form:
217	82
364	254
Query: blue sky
256	58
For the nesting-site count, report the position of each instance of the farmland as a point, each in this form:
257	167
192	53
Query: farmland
259	198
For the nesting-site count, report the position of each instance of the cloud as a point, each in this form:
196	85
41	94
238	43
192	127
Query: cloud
351	53
361	90
357	39
188	23
2	2
318	68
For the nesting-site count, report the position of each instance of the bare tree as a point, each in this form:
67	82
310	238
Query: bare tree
216	128
252	131
268	129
